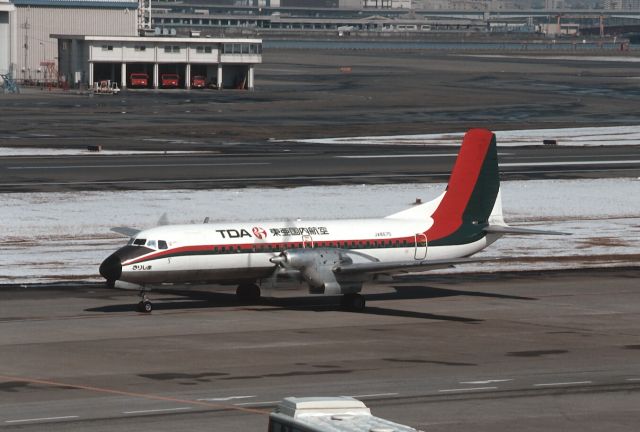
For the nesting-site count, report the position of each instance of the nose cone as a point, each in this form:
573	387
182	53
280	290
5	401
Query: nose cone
111	268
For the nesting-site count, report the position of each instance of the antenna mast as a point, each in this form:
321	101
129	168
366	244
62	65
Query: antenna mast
144	16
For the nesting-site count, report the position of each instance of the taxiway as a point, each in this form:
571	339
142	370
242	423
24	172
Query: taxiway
546	350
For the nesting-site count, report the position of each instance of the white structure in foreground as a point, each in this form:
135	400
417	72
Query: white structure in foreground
328	414
8	37
225	63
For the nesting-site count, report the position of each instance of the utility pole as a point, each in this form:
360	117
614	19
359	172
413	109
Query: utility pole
26	26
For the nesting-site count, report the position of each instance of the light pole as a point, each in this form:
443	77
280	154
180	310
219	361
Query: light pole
42	59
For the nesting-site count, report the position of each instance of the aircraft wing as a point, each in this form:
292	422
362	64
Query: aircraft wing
402	266
506	229
125	231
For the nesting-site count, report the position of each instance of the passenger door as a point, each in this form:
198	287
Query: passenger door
421	246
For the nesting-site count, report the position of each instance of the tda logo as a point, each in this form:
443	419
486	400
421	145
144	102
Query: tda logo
259	232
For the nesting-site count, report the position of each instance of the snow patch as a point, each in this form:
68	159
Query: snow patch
63	236
571	137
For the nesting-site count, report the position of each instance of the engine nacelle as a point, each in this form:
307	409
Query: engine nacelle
316	269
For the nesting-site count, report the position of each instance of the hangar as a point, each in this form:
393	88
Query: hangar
8	38
35	20
223	62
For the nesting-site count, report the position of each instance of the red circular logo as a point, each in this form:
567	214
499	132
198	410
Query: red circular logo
259	232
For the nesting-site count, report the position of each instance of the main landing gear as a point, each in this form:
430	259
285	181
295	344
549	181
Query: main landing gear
248	293
144	305
353	302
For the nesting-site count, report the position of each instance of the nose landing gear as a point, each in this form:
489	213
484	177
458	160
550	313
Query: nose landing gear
144	305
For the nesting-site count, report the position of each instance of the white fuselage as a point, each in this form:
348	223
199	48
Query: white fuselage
229	252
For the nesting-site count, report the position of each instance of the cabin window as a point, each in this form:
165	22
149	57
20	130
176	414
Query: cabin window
162	244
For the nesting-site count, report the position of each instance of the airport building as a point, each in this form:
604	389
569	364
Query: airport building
86	41
36	20
8	38
221	63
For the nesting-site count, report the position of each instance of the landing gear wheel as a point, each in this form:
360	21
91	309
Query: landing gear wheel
111	283
145	306
248	292
353	302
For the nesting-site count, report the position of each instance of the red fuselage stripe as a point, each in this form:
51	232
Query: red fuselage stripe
255	247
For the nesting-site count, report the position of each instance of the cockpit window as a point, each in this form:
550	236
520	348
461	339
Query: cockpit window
152	244
139	242
162	244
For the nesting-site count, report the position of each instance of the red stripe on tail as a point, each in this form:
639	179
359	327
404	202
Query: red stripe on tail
448	216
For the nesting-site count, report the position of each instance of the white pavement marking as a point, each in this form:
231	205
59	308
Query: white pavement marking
157	410
374	395
418	155
222	399
489	381
395	156
41	419
33	152
525	164
562	383
257	403
135	166
222	180
633	379
467	389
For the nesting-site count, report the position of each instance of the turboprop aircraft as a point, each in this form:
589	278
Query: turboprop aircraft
333	257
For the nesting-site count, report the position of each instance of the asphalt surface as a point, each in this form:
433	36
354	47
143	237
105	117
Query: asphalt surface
305	94
285	165
543	351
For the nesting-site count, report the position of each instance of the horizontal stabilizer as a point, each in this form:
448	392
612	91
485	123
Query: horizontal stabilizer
505	229
125	231
403	266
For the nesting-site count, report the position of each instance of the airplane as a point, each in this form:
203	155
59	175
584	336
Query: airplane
333	257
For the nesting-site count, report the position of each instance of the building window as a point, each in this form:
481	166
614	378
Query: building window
140	48
202	49
107	47
171	49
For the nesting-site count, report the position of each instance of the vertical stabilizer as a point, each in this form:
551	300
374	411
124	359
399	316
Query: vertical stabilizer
471	194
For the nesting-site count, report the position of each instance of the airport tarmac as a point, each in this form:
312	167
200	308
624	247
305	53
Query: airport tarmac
304	94
488	352
286	166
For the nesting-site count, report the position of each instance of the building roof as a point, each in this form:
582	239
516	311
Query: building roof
116	4
156	39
